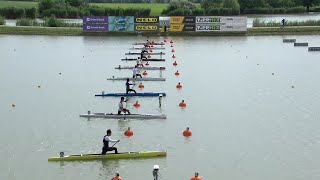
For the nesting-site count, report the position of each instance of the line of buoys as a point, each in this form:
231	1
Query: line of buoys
175	63
137	104
182	104
141	86
179	86
128	132
145	73
187	132
177	73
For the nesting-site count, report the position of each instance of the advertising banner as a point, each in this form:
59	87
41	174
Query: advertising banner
95	27
95	19
182	19
147	27
220	19
219	27
154	19
120	19
121	27
182	27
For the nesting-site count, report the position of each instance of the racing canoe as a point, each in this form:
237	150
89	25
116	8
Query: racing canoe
131	53
123	155
141	68
136	79
150	43
146	94
123	116
134	59
150	48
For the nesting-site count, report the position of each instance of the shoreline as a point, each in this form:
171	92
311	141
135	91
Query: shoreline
71	31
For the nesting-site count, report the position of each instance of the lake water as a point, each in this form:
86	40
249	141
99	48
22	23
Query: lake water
247	123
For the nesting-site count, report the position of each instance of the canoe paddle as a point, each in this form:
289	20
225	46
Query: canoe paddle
114	143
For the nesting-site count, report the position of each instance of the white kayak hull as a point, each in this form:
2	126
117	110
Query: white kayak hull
141	68
124	116
136	79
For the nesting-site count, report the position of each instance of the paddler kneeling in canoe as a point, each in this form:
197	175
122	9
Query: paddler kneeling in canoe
121	109
136	72
106	140
128	89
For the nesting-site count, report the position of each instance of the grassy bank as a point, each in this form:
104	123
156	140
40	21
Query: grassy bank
18	4
305	30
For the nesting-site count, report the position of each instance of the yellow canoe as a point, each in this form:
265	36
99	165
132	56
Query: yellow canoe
124	155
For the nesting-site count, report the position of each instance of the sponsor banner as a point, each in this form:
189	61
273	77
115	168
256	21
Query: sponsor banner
164	22
95	19
220	19
182	27
147	27
95	27
121	27
182	19
120	19
220	27
151	19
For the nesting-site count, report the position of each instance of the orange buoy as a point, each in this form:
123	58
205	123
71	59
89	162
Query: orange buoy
165	40
173	50
141	86
177	73
171	41
187	132
182	104
145	73
179	86
136	104
175	63
196	177
147	64
128	132
173	56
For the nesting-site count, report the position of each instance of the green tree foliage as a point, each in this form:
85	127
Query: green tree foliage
207	4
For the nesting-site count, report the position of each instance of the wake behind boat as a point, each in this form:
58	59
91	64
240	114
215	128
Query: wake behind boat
123	155
141	68
146	94
136	79
123	116
131	53
135	59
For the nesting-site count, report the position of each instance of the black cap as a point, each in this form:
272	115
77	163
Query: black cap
108	131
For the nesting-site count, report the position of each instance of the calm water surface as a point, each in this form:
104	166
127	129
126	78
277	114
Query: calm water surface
247	123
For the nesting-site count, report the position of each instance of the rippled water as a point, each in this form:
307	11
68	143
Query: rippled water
247	123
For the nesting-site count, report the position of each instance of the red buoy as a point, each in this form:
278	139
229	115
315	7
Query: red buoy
175	63
165	40
182	104
145	73
173	50
141	86
187	132
177	73
173	56
137	104
128	132
171	42
179	86
147	64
